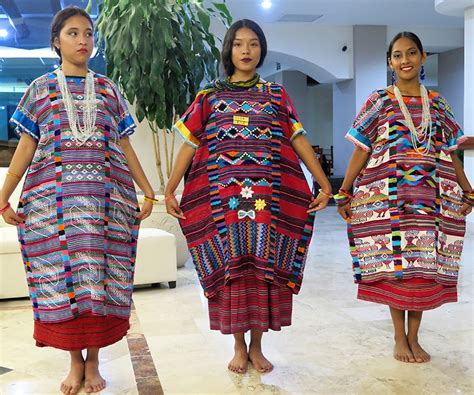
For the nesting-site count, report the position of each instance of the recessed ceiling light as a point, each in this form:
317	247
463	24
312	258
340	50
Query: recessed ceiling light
266	4
3	33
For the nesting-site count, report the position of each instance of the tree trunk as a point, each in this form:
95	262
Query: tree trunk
156	147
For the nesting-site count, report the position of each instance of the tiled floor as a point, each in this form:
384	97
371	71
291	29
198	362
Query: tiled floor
336	345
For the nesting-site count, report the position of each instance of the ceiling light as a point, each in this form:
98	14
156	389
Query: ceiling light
3	33
266	4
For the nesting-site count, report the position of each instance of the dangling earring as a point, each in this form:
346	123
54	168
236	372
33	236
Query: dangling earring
422	72
393	77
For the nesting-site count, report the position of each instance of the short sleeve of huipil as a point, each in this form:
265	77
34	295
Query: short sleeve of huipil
290	122
25	117
364	129
192	124
451	129
125	123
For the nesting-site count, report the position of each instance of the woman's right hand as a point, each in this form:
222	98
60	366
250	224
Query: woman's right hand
345	212
12	218
172	207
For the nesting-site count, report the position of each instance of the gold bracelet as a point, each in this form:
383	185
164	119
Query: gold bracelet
10	173
149	199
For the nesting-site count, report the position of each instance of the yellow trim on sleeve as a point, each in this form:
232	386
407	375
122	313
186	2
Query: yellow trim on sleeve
181	128
297	126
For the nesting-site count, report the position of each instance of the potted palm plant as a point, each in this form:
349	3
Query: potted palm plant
159	52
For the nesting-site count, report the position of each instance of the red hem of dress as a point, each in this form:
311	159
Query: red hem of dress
88	332
404	307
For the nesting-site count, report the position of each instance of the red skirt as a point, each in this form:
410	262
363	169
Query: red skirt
247	303
415	294
85	331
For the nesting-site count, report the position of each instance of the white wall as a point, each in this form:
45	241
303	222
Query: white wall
295	84
344	111
451	80
318	119
370	68
370	61
313	104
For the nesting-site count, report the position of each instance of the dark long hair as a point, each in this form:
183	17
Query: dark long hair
59	21
412	36
226	54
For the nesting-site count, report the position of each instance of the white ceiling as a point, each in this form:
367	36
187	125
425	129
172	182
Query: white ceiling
348	12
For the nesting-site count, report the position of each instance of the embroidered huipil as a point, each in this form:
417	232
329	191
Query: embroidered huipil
79	204
245	196
406	220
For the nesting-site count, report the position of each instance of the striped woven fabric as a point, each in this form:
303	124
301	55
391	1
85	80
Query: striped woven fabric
414	294
247	303
245	197
405	209
79	204
85	331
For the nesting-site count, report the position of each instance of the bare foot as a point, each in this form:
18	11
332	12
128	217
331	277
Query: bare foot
419	354
72	383
401	351
259	362
239	363
94	382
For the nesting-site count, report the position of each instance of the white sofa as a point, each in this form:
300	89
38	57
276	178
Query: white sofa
12	273
155	262
156	258
160	219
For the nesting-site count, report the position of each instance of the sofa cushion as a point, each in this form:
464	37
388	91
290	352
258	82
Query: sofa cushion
9	243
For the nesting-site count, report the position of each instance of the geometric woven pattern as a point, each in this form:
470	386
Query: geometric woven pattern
79	237
244	210
405	220
235	132
243	106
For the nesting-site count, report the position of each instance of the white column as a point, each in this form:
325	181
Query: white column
469	92
466	8
370	73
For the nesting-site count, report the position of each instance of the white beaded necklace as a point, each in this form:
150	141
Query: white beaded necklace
89	106
422	133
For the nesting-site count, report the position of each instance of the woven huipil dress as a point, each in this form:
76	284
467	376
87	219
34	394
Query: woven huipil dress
406	233
245	201
79	205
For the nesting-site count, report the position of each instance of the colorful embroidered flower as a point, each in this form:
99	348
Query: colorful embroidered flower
233	203
247	192
260	204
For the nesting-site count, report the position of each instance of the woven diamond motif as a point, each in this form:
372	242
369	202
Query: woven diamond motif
246	107
222	107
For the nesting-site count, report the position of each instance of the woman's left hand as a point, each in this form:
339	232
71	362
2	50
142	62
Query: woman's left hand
147	208
318	203
465	209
